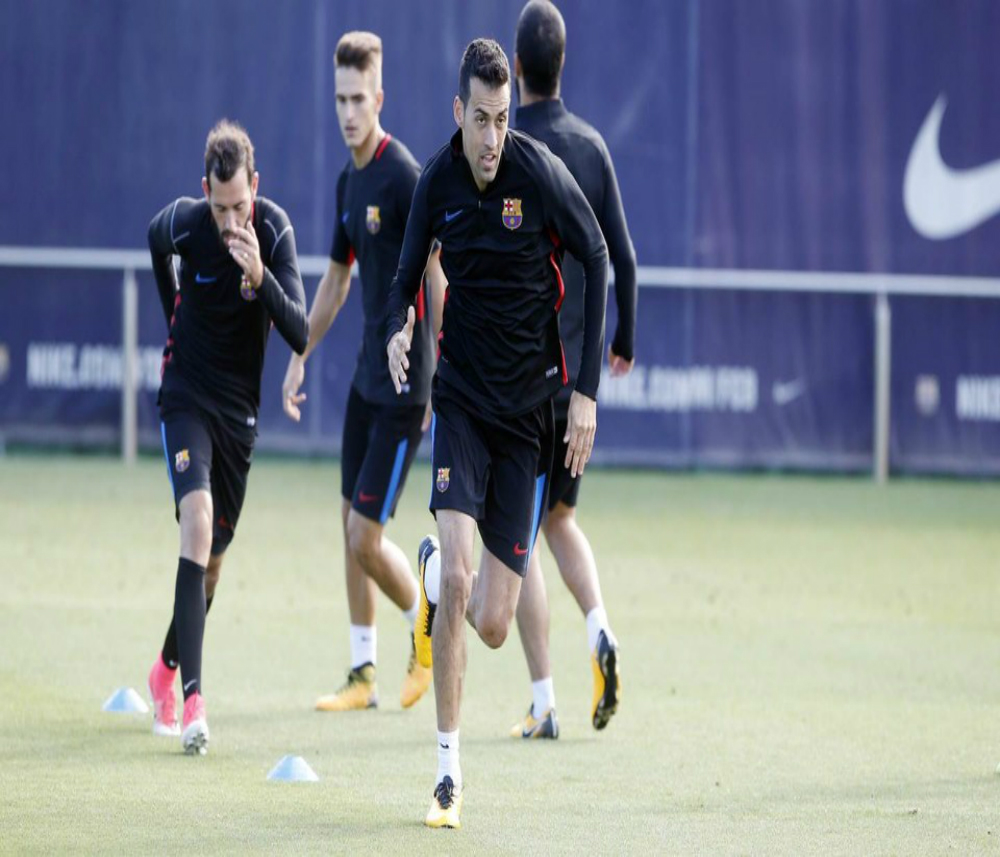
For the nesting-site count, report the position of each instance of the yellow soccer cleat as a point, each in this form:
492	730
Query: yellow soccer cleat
417	680
546	727
425	615
358	692
446	806
607	682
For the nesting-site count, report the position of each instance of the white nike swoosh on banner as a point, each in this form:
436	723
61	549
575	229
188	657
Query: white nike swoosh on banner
939	201
787	392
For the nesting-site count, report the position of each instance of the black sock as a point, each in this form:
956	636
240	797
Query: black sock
170	656
189	619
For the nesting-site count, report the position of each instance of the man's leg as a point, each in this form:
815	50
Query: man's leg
188	449
575	558
381	560
360	690
533	627
190	608
487	600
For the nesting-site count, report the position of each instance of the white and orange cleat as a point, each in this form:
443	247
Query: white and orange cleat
161	694
194	738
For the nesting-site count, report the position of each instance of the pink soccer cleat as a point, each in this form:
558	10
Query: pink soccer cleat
161	693
195	734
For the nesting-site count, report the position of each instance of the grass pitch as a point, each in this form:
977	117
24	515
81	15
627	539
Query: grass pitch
810	666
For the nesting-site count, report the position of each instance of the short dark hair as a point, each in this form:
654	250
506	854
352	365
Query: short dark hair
540	44
485	59
227	149
359	49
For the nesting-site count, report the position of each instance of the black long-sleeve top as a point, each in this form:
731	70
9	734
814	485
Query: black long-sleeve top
501	253
217	330
585	153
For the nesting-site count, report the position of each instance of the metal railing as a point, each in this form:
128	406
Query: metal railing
880	286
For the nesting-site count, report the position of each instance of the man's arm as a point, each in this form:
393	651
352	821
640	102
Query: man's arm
437	283
278	285
406	284
612	219
577	226
161	250
330	296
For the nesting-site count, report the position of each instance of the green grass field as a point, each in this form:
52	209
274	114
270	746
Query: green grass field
810	666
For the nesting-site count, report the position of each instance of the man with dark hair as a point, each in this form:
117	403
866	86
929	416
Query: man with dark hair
503	208
239	274
381	430
538	63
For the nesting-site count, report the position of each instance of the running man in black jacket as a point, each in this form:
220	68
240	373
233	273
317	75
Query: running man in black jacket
239	274
540	50
504	208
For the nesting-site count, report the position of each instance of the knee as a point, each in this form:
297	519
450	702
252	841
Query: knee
363	540
456	586
558	521
492	629
196	525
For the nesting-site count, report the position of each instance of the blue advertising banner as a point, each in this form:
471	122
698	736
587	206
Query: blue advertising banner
850	136
730	379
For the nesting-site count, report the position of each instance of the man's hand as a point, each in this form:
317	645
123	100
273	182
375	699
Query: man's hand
580	430
246	251
397	349
619	365
291	398
428	415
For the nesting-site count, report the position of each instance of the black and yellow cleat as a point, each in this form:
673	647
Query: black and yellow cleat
418	679
358	692
446	806
425	615
545	727
607	682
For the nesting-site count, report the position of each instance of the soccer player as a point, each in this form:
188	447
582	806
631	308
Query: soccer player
239	274
540	47
503	208
381	430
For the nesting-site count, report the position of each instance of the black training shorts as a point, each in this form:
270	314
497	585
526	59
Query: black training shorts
563	486
207	451
494	469
378	447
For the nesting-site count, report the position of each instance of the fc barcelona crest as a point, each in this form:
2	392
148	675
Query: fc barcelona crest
247	291
512	213
443	479
182	461
373	220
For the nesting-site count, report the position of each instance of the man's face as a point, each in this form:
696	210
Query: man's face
231	202
484	127
359	102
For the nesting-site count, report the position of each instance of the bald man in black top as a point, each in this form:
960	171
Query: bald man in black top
538	62
239	274
504	208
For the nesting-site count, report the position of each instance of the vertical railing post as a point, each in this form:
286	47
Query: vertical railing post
883	386
130	347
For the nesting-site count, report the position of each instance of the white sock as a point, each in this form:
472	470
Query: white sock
411	614
363	639
543	697
597	621
448	758
432	578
